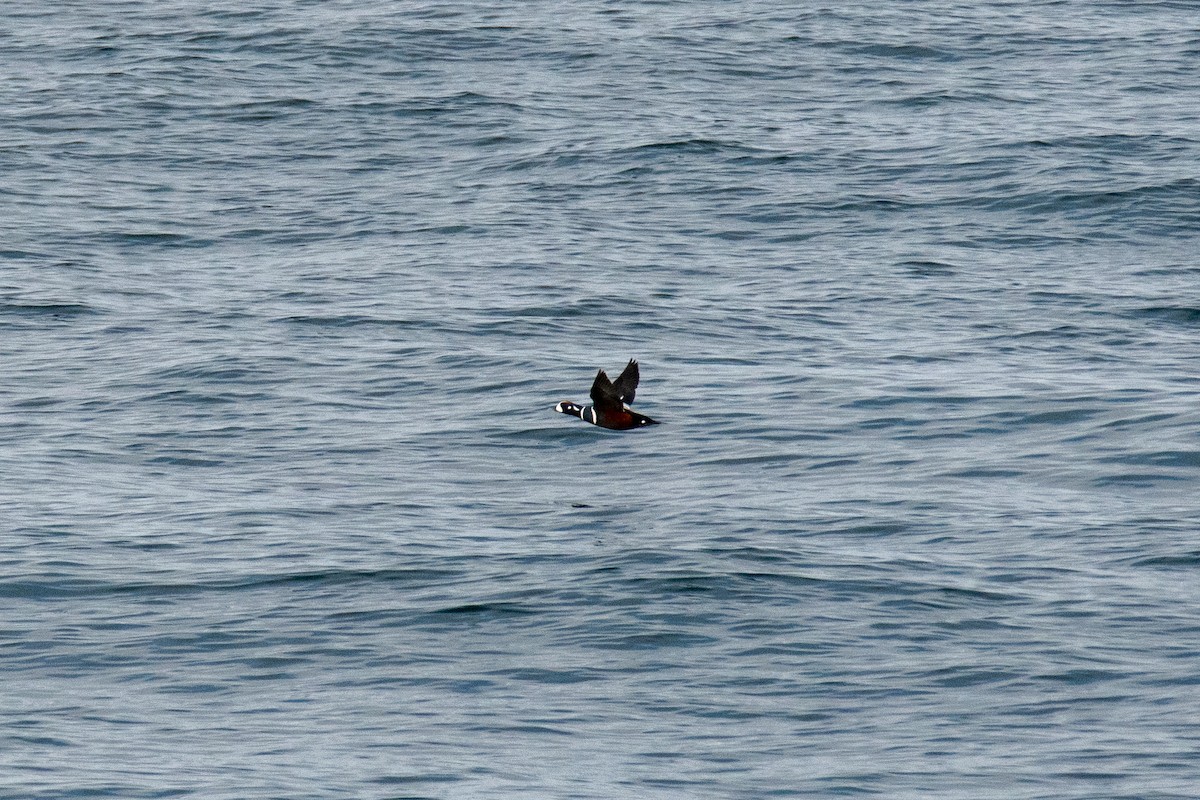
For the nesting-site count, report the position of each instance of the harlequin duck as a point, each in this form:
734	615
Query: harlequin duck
610	402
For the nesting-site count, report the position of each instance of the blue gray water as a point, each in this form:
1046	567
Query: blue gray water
288	292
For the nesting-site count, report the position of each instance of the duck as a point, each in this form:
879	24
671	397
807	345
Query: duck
610	402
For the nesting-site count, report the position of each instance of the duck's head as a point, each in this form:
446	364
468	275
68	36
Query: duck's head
567	407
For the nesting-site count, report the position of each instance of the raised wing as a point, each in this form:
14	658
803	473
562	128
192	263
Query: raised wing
603	393
626	383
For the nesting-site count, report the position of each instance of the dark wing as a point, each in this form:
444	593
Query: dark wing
604	394
626	383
